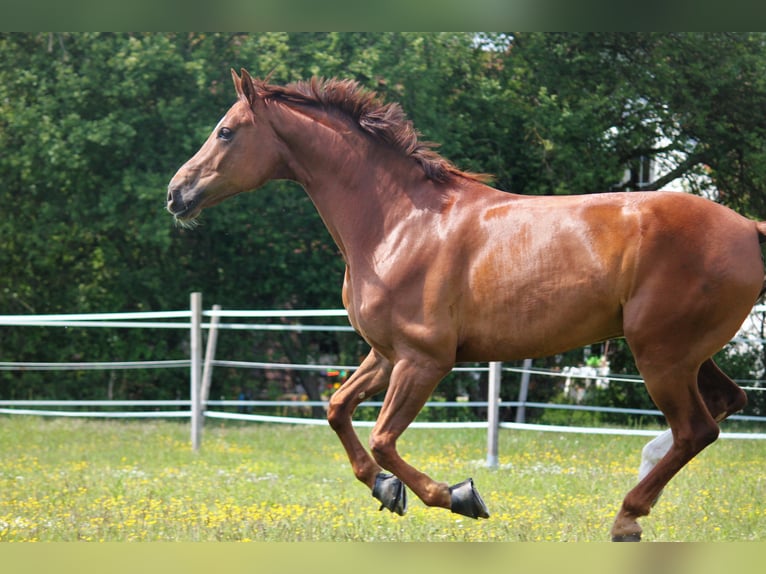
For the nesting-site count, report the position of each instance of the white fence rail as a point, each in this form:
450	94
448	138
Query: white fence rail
200	367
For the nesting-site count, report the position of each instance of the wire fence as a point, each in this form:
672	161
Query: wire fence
198	407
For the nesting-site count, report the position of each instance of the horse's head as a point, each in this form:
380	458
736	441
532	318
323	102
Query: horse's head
239	155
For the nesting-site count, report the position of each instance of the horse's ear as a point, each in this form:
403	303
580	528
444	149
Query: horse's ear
244	86
237	83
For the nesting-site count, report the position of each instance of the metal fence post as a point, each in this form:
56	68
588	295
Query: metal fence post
493	413
521	411
196	368
207	371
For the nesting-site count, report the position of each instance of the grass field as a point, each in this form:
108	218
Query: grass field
71	479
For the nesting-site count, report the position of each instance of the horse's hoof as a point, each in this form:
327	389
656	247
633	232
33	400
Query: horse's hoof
635	537
391	493
466	500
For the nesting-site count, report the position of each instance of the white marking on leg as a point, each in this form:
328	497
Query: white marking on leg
653	451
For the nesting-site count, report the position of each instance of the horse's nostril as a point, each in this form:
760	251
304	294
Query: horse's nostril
175	198
175	201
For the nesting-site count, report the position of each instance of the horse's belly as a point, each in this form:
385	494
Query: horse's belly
519	333
548	282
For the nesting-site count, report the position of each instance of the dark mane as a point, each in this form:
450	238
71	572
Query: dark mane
385	121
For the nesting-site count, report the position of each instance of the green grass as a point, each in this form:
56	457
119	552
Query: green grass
70	479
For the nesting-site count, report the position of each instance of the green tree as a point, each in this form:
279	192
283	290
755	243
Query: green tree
601	102
93	125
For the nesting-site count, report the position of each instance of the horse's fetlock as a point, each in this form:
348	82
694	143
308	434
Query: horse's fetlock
437	494
626	527
634	507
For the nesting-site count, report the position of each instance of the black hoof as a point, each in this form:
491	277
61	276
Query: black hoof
391	493
466	500
635	537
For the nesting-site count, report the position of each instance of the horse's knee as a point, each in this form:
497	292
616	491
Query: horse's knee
338	414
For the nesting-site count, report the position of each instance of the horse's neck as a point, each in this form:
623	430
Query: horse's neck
359	186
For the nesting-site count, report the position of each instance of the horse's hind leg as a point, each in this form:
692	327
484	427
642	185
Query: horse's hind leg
675	391
370	378
722	398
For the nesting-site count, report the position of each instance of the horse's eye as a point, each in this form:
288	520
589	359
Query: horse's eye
225	134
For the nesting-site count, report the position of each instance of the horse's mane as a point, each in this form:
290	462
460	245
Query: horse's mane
385	121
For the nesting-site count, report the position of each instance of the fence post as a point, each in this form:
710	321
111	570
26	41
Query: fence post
207	371
521	411
196	368
493	413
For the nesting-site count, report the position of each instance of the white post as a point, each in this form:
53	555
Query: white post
493	413
196	368
521	411
207	371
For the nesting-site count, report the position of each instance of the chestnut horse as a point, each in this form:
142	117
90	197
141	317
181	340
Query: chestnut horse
441	268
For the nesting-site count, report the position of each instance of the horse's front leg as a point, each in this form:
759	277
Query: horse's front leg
370	378
412	382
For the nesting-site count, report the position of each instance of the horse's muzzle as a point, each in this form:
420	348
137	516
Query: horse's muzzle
178	206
